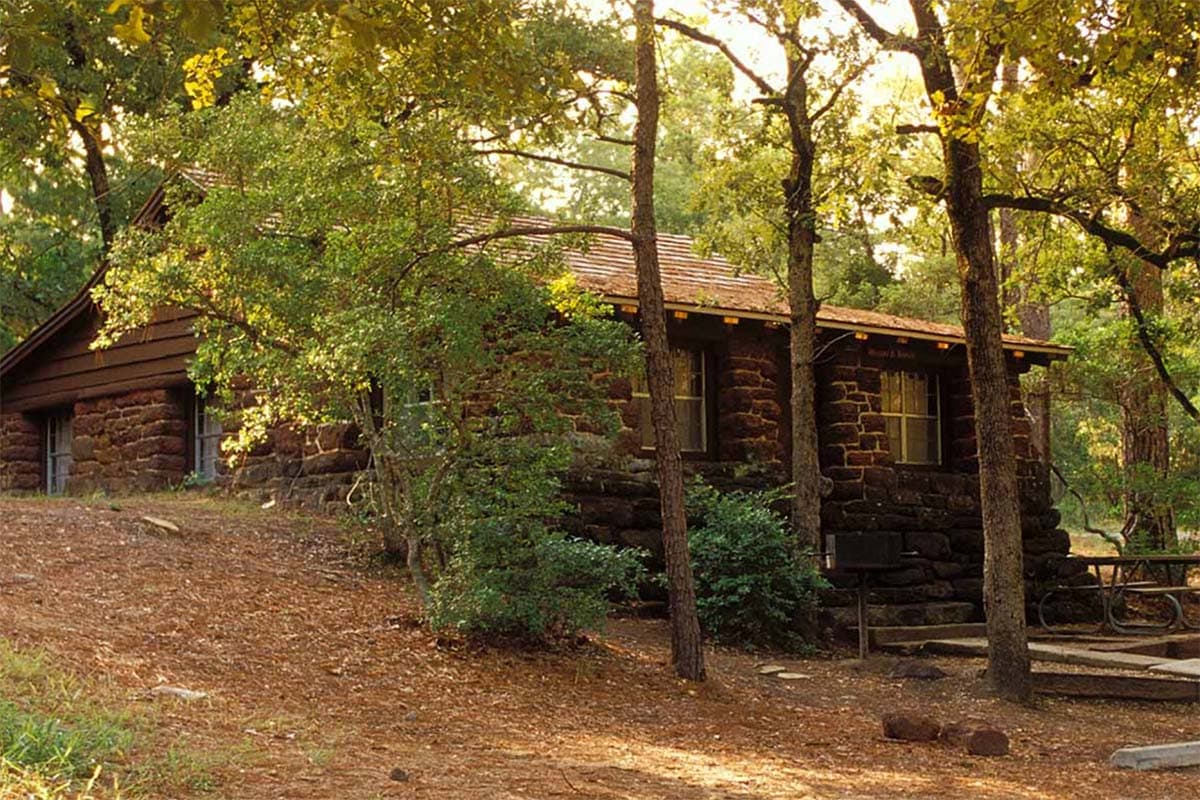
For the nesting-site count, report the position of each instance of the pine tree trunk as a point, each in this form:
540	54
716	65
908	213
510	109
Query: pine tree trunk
687	654
1033	316
802	301
1008	668
1145	439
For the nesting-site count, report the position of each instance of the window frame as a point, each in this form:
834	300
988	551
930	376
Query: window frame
200	435
904	416
53	463
706	426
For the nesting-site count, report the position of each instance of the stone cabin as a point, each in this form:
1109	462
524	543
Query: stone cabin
896	423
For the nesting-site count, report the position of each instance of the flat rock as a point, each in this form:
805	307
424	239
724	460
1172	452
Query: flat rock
771	669
398	774
19	578
164	524
1158	756
917	670
910	726
178	692
791	676
1189	667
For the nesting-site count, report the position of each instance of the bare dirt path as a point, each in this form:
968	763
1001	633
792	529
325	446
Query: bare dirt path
322	682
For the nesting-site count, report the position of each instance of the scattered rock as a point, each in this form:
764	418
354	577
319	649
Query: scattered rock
910	726
978	736
771	669
268	504
791	676
987	742
917	670
410	716
165	524
398	774
178	692
20	577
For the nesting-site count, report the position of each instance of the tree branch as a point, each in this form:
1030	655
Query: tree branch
904	130
541	230
1147	340
850	78
1184	246
887	39
712	41
562	162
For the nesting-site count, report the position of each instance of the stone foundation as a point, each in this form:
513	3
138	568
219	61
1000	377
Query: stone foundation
313	469
20	453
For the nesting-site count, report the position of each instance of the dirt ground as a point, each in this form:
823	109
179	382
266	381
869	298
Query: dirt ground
322	682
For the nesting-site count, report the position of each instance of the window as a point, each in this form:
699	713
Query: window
690	407
58	453
912	409
423	416
207	445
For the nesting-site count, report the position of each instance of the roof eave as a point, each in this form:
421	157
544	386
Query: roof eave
1052	352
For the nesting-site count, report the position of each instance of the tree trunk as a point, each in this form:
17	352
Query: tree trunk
687	654
802	301
93	149
1033	316
1008	669
1145	440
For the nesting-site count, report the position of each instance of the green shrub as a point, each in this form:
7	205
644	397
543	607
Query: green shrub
521	580
752	587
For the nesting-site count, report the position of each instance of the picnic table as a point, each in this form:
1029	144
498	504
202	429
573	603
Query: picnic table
1151	575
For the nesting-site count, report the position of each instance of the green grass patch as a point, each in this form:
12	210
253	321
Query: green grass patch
63	737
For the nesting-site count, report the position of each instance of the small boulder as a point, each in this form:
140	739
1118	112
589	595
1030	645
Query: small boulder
398	774
771	669
910	726
979	737
917	670
987	742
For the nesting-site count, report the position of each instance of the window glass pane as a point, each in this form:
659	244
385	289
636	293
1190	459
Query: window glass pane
58	453
916	394
922	441
891	392
894	443
690	420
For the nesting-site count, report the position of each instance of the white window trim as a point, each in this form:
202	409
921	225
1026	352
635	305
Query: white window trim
200	436
58	462
703	398
904	417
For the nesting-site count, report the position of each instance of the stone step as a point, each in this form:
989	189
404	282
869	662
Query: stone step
1158	756
1188	668
903	615
896	634
1116	687
1040	651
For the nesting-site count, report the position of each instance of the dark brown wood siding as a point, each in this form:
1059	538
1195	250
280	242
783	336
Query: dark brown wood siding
63	369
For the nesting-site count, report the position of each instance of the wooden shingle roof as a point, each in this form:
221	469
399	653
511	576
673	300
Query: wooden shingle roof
713	285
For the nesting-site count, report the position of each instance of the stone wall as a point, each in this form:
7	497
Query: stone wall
316	469
616	492
936	509
133	442
20	453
